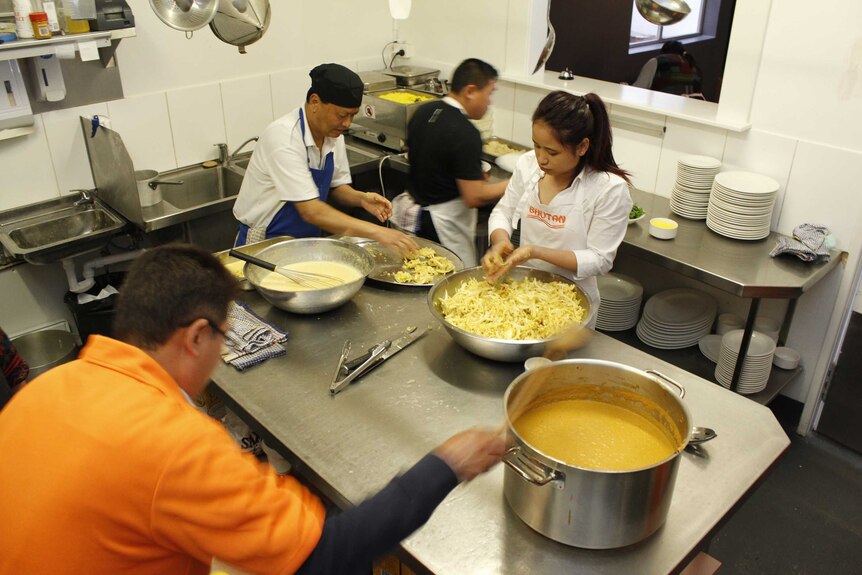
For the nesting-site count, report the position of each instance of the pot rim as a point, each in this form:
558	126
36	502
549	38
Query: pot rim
552	461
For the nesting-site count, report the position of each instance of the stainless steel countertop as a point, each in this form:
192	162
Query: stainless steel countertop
740	267
350	445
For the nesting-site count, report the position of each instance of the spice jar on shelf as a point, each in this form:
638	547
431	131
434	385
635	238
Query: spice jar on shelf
41	28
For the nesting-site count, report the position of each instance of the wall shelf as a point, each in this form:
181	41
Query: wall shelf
59	44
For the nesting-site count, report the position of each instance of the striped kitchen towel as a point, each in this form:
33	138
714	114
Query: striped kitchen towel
809	242
406	213
250	340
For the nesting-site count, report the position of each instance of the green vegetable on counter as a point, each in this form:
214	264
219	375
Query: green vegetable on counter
636	212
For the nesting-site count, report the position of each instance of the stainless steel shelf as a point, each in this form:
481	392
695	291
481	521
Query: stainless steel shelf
29	48
693	361
742	268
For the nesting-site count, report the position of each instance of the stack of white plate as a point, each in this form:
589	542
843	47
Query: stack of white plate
676	318
621	302
740	205
694	177
756	367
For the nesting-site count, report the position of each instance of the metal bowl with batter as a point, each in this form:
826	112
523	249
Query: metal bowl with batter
304	250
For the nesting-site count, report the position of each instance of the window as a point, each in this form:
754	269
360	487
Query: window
645	33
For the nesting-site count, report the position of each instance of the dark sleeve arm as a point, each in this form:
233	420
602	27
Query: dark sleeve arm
353	539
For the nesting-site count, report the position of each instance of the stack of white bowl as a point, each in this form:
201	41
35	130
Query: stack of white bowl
676	318
740	205
621	302
694	177
757	364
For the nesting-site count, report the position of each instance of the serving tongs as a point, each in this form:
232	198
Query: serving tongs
348	370
347	376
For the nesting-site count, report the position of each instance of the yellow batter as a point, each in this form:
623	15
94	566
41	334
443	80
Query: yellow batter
405	98
594	435
343	272
235	269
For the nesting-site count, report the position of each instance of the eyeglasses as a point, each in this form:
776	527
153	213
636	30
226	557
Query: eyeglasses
216	328
213	326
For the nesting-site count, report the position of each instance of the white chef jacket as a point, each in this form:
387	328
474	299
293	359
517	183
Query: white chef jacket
589	218
279	170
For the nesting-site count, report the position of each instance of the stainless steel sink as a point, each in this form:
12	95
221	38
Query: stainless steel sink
203	191
46	232
201	187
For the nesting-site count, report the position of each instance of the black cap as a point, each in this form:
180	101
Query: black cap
337	85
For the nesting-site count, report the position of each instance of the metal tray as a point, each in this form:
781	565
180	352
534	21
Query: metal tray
387	262
493	157
250	249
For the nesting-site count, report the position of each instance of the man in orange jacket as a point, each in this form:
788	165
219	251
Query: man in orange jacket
109	468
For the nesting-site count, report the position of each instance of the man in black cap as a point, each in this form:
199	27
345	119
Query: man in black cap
300	163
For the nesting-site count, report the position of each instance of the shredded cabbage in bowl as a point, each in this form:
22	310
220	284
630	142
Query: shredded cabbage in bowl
513	309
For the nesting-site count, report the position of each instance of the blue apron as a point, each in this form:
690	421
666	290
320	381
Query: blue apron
287	221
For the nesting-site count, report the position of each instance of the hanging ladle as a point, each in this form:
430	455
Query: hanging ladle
549	42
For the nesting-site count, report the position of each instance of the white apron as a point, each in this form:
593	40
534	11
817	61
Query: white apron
455	224
559	225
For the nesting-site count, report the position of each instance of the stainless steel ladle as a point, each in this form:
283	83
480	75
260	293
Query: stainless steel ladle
549	42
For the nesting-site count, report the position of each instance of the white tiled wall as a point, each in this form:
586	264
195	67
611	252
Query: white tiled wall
66	140
197	123
247	108
145	126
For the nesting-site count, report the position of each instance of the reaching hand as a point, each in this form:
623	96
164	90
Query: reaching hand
495	257
399	242
472	452
515	258
376	205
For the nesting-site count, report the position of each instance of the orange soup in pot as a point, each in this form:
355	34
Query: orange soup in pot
594	435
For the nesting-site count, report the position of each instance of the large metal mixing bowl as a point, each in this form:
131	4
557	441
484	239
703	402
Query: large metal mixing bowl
304	250
491	348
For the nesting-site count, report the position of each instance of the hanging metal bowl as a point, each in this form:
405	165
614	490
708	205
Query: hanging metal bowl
663	12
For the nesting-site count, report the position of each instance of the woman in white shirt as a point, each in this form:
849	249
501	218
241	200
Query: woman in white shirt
568	197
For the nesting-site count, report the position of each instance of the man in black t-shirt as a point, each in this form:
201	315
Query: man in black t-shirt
445	153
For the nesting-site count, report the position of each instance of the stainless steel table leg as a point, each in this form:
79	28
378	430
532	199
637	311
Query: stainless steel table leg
743	345
788	319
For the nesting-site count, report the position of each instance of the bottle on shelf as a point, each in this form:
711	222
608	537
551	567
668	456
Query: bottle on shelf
77	15
23	27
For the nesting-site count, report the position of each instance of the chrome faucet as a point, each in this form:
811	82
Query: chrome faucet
87	196
232	156
222	153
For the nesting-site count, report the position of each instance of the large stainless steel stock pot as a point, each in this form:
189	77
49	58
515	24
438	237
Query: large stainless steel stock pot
586	507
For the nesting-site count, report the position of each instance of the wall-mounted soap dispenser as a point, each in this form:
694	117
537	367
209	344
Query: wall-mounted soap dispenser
16	117
48	79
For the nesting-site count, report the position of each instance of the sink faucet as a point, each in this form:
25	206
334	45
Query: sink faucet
87	196
222	153
231	157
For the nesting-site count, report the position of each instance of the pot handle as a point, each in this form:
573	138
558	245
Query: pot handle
531	470
678	386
